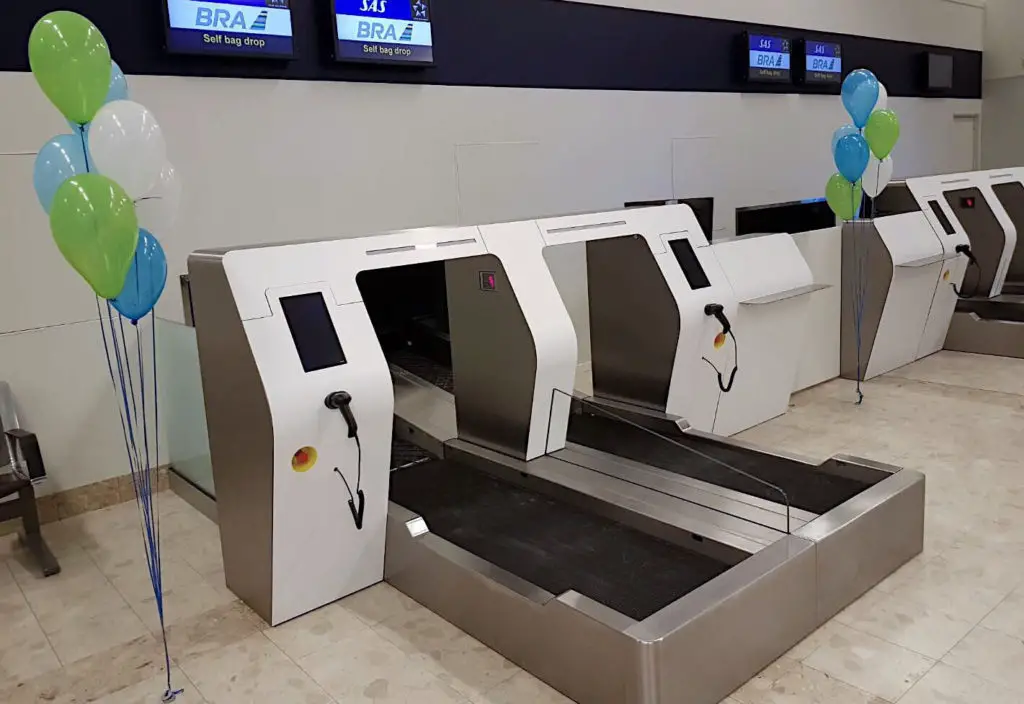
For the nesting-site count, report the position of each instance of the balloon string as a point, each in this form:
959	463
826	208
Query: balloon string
85	148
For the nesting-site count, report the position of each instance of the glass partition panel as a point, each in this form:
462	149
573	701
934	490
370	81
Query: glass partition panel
182	412
670	463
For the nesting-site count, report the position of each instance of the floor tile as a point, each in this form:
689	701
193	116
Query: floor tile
91	678
764	680
808	645
212	630
252	670
1008	617
313	631
181	603
991	655
457	659
947	685
88	634
523	688
151	691
869	663
805	685
62	603
906	623
31	658
378	603
365	667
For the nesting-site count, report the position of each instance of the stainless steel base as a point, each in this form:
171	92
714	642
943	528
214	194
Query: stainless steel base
969	332
703	646
696	650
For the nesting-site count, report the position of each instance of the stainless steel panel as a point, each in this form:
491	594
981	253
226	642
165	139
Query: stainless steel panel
1011	196
424	414
970	333
194	497
697	650
494	359
867	538
705	645
632	350
751	508
864	256
695	527
984	232
241	435
649	418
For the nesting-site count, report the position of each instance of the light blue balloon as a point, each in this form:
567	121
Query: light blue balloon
852	156
840	133
59	159
145	281
118	84
860	95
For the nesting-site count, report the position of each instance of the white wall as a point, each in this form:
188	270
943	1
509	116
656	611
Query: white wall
1002	140
275	160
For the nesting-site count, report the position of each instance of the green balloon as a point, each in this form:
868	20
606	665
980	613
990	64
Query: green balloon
71	62
882	132
843	197
94	224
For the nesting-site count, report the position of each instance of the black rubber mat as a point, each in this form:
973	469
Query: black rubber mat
549	543
425	368
817	492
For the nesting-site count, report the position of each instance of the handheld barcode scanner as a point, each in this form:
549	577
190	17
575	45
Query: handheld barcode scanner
342	401
972	261
717	311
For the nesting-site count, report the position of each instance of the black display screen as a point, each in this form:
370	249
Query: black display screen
312	331
943	220
687	258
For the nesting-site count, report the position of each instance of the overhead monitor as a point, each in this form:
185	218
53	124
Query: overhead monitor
384	31
938	72
260	28
823	63
768	59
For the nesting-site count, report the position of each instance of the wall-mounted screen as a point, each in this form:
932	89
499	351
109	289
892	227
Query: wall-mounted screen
231	27
384	31
939	72
769	58
824	63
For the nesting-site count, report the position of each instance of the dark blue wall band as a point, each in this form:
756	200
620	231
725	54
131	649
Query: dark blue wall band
505	43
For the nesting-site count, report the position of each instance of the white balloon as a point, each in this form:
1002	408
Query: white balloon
127	145
158	209
883	97
877	176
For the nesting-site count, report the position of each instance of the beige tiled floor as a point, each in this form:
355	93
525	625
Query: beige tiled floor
948	627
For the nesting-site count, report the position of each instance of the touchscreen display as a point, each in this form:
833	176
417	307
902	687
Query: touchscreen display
312	331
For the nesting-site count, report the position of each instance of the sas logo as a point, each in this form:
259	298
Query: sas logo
383	32
224	19
376	6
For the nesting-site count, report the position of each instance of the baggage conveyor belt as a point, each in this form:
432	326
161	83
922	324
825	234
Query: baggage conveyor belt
549	543
809	490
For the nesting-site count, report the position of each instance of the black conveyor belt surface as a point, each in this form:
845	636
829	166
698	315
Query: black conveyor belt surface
425	368
814	491
549	543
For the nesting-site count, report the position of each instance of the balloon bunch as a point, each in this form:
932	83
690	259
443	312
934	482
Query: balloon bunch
862	150
105	186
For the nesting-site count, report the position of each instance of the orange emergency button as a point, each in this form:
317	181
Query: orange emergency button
304	459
